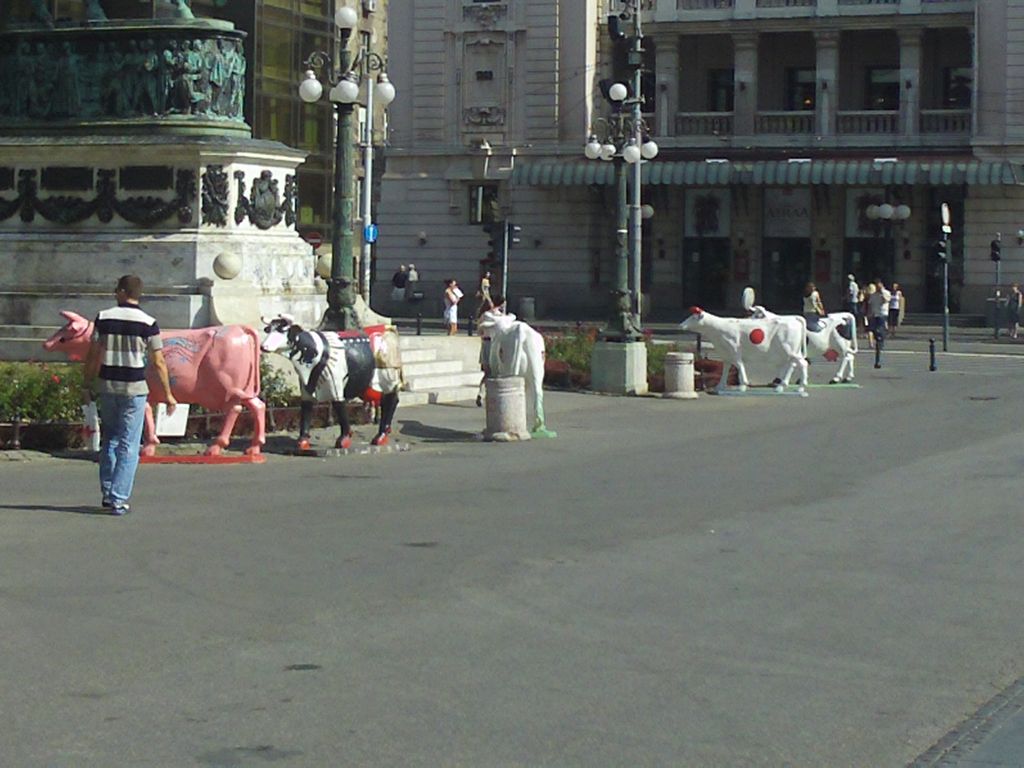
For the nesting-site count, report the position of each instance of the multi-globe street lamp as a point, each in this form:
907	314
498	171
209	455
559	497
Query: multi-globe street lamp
618	363
625	141
345	80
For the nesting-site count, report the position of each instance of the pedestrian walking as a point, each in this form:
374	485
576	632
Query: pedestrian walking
896	307
398	281
412	284
878	308
452	297
115	366
853	299
814	310
1014	304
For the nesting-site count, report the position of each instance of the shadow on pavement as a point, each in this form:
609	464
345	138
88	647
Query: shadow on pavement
432	434
75	509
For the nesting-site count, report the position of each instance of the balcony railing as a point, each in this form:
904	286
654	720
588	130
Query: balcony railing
946	121
786	3
703	5
784	122
871	121
704	123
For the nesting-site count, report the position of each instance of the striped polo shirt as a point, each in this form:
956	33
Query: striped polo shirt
126	333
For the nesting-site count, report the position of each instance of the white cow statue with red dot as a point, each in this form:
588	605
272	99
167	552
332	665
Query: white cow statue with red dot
778	343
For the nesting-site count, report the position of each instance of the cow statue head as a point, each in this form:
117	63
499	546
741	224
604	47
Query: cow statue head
281	332
692	320
491	323
72	338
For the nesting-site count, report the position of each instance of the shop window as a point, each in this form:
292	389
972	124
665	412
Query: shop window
800	88
882	88
721	90
956	87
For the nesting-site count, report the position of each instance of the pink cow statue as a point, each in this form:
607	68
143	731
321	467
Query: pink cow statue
217	368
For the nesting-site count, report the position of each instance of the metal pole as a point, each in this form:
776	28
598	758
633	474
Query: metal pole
636	222
340	314
505	236
367	186
945	298
932	365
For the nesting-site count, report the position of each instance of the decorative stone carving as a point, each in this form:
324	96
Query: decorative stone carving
77	78
215	196
68	209
486	16
264	207
483	116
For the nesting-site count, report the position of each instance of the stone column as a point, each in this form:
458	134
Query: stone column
667	66
506	409
910	81
827	64
745	74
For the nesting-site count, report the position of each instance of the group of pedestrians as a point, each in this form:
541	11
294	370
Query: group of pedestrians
879	310
405	283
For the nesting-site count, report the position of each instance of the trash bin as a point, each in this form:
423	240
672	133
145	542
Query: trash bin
995	311
527	308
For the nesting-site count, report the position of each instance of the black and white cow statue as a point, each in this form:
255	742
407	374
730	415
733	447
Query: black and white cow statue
338	366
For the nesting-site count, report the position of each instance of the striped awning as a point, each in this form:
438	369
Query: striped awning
861	173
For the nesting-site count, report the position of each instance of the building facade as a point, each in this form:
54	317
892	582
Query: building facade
784	126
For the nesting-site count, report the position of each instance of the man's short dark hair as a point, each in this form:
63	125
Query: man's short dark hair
131	285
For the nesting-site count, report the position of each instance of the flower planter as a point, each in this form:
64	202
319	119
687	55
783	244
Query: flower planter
48	436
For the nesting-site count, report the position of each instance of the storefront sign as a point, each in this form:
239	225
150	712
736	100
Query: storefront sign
707	213
787	212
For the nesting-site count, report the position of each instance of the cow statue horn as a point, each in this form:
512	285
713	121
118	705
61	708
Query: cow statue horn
748	298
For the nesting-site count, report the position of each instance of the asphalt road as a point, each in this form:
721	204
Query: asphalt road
736	581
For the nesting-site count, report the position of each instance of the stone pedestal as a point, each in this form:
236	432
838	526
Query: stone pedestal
211	234
679	376
506	409
619	368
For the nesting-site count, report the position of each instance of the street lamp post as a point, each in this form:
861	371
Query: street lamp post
345	82
619	360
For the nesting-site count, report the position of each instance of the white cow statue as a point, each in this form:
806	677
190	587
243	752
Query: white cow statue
835	339
776	341
518	350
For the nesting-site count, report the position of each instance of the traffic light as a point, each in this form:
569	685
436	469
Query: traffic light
512	234
995	251
495	241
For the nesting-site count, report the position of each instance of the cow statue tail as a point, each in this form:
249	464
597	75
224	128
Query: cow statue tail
254	374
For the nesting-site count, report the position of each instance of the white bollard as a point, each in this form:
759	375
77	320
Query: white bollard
679	376
506	409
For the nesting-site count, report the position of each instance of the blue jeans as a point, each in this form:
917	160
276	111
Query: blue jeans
121	421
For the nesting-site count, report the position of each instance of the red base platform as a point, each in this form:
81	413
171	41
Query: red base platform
199	458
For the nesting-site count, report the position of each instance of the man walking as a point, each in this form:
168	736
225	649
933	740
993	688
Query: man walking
116	366
878	310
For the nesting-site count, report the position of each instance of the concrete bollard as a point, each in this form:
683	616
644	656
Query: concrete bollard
506	409
679	376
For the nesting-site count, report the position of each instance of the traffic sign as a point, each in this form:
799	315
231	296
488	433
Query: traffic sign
370	233
315	239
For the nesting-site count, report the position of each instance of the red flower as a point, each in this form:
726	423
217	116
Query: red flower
56	378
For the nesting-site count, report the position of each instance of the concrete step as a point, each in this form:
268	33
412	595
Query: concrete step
444	381
444	395
430	368
425	355
24	348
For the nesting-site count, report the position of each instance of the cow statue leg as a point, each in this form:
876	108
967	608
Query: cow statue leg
341	416
741	375
150	441
535	382
224	438
259	416
388	406
305	419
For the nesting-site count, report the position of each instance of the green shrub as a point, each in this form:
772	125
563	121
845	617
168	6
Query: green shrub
275	389
40	392
575	349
